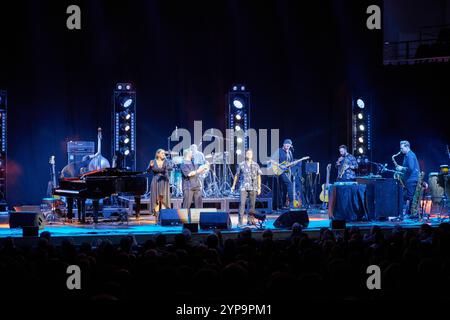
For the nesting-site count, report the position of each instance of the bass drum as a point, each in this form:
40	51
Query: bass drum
436	190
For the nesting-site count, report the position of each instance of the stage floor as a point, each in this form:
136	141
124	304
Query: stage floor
146	228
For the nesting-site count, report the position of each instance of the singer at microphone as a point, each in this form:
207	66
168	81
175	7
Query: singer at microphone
284	154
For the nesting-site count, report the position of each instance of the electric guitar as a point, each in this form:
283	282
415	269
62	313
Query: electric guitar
325	187
280	168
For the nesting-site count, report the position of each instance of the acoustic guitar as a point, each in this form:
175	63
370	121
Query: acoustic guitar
325	187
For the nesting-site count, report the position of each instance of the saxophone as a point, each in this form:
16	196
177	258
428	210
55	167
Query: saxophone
415	202
398	175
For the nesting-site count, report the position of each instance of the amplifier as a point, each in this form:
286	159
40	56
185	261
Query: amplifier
312	167
76	150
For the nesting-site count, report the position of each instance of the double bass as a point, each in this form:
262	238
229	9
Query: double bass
98	161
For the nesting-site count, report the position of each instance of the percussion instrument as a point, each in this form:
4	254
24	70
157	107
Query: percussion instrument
436	187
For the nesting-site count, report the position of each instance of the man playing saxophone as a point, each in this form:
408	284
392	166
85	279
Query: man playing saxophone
346	165
410	170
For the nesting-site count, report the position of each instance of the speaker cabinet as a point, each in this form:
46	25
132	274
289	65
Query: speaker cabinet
215	220
287	219
26	219
170	217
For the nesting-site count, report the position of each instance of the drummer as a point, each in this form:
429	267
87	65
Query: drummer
197	157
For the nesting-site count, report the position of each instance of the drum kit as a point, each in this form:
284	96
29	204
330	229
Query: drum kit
438	183
215	181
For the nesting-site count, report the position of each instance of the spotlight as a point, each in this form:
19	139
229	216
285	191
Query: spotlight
242	88
361	127
234	88
239	140
360	150
126	102
128	87
238	117
125	139
237	128
125	115
238	104
119	87
125	151
360	116
238	151
125	127
361	139
360	103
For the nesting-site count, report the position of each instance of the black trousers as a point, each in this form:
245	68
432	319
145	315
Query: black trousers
287	187
409	194
192	194
252	196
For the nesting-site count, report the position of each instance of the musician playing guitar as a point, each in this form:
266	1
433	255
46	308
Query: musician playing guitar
284	154
346	165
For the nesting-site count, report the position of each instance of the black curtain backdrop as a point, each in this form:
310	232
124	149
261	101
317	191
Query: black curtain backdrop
300	62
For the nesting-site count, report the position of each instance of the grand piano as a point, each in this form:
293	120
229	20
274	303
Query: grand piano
99	184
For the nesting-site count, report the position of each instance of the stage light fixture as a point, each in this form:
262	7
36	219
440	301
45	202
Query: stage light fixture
237	128
125	115
125	151
242	88
362	127
128	87
360	103
238	117
125	139
238	104
234	88
360	116
239	140
126	102
361	150
238	151
361	139
125	127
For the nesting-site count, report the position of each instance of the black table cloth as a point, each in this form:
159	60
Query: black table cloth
347	202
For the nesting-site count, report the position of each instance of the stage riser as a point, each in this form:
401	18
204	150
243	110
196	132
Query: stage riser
230	205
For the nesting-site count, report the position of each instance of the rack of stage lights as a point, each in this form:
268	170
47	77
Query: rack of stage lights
239	120
124	126
3	148
362	131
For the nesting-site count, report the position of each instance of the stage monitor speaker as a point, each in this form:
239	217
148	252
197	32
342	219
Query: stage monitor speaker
215	220
170	217
26	219
287	219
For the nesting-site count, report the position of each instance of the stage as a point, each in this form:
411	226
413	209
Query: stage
145	228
